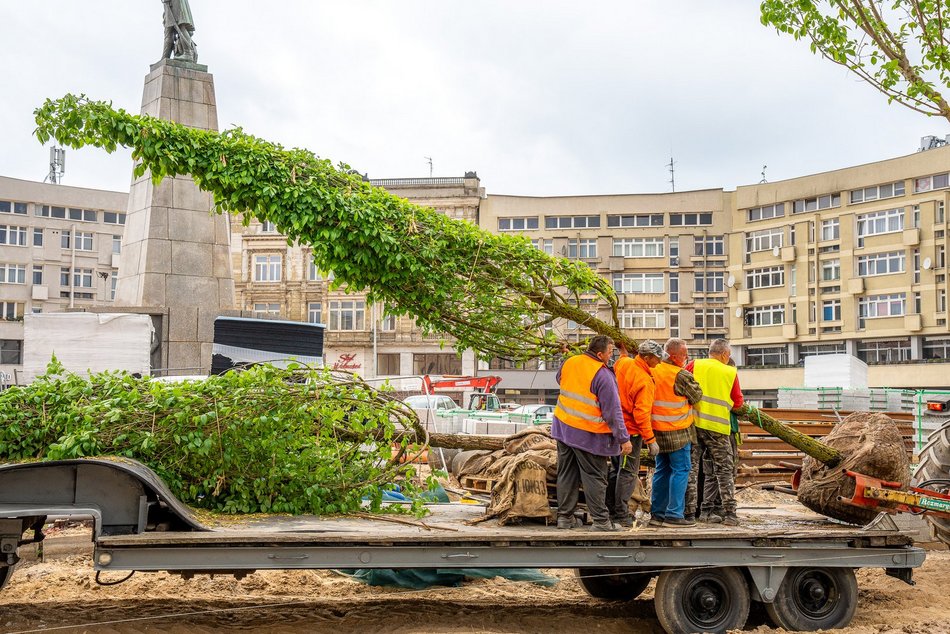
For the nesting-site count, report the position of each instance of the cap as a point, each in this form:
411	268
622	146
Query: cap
651	347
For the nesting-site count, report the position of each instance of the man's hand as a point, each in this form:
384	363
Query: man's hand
626	448
653	448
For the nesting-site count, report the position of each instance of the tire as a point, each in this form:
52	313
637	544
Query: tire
612	584
815	599
702	600
934	464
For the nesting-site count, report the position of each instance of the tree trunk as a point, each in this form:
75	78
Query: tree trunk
814	448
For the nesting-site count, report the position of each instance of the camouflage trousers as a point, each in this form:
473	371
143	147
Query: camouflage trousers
715	462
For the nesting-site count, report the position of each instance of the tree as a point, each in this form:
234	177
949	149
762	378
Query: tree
900	47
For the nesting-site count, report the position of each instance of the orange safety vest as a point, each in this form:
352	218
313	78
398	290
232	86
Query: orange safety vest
635	381
670	411
577	406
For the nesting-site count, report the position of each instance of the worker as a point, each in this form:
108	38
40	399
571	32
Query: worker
676	391
635	383
717	441
588	427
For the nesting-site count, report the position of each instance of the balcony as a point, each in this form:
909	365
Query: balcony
856	285
913	323
788	254
911	237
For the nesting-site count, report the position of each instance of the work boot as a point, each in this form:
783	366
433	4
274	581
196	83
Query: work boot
730	519
710	518
624	522
656	521
568	521
677	522
604	526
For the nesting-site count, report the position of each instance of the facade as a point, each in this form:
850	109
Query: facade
59	248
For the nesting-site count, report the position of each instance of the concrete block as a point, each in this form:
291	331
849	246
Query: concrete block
182	323
136	226
162	195
190	290
169	87
184	356
221	255
157	257
226	293
192	114
168	109
222	228
206	348
152	90
191	258
130	260
206	317
153	291
186	195
158	223
139	195
190	226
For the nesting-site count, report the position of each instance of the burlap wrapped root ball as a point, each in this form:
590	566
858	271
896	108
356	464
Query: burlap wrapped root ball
872	445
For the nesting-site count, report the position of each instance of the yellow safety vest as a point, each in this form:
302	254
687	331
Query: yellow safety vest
716	379
670	410
577	406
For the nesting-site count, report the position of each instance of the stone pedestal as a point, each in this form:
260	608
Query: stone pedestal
175	252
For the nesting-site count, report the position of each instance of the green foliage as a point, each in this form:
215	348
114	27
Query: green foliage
900	47
262	440
492	293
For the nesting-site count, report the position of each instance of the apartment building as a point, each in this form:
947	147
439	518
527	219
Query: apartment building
272	278
59	248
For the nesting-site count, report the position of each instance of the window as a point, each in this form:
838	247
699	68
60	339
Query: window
264	310
37	273
348	314
939	212
64	240
710	318
819	202
764	240
113	284
764	213
388	323
572	222
928	183
12	274
387	363
691	220
792	281
10	207
313	273
117	244
315	312
113	218
436	363
878	222
709	245
831	310
643	318
831	229
886	351
13	235
830	270
877	192
83	215
11	311
638	247
83	241
772	355
82	278
37	237
936	348
674	289
674	252
940	260
881	264
639	220
268	227
11	351
710	282
527	223
765	278
47	211
674	323
816	349
267	268
882	305
544	245
583	248
638	283
765	315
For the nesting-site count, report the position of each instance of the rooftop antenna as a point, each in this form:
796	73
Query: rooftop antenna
429	161
672	172
764	167
57	165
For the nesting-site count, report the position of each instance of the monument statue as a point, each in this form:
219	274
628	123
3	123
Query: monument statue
179	27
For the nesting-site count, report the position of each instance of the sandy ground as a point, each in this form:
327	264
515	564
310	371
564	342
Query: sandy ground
60	594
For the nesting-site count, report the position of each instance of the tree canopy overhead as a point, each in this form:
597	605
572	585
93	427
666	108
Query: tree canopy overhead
900	47
496	294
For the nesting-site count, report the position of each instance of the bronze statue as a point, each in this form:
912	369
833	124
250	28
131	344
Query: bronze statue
179	27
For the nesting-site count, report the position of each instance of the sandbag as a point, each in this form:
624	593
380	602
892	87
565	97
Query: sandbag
872	445
530	439
520	493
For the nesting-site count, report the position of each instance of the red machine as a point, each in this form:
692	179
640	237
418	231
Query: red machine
484	384
891	497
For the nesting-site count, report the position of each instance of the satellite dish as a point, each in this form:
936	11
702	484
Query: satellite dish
775	251
927	264
739	311
731	281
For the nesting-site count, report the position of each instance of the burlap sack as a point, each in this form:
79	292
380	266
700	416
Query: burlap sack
871	445
476	464
547	458
530	439
520	493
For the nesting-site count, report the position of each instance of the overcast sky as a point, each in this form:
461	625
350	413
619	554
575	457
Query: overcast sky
540	98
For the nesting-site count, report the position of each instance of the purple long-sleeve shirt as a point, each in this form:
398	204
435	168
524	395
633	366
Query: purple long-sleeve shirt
604	387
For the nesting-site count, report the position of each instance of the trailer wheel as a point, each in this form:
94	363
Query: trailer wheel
815	599
612	584
702	600
934	464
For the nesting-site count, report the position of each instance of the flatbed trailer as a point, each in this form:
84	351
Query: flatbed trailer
800	566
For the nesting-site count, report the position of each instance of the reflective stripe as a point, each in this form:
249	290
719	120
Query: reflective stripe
670	419
574	412
673	404
711	417
716	401
579	397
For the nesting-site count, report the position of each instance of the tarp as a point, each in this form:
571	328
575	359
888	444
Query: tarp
422	578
